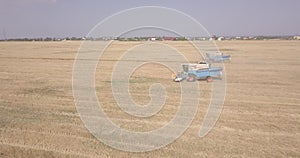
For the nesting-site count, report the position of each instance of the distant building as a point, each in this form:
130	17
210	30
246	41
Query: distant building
168	38
246	38
297	37
221	38
238	37
152	39
213	38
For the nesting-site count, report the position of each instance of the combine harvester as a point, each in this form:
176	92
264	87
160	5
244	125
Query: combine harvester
201	71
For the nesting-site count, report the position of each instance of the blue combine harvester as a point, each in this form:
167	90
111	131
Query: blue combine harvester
191	74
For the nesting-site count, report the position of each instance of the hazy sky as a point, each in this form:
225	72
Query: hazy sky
67	18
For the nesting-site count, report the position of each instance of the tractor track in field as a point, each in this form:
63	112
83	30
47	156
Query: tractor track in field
72	59
39	148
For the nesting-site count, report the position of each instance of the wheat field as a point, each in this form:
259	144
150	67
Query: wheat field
260	116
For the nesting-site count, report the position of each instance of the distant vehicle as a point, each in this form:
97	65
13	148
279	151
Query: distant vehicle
217	57
192	75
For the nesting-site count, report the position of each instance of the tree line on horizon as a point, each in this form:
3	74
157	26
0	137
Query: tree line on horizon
149	38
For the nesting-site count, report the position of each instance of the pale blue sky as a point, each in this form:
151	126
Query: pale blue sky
62	18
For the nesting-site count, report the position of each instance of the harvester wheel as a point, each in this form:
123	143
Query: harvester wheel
191	78
209	79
